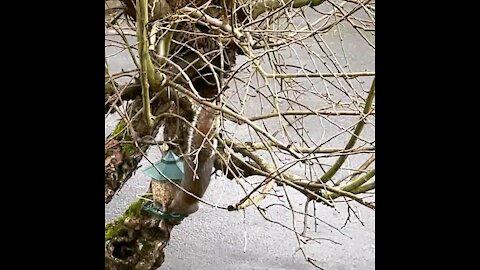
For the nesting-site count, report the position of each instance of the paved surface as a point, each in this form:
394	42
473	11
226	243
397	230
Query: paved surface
215	239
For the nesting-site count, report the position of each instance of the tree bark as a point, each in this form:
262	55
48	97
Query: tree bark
134	241
121	154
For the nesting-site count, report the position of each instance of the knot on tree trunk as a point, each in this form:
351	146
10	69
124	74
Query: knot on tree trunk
135	241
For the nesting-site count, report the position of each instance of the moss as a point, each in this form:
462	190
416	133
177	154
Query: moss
128	149
112	229
120	131
134	209
119	128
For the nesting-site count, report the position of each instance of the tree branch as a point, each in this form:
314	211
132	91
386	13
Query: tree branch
303	113
233	114
272	174
352	196
196	13
364	188
350	75
146	65
127	92
352	185
121	154
358	129
268	170
262	6
307	150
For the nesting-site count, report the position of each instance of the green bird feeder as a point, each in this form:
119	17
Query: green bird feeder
169	167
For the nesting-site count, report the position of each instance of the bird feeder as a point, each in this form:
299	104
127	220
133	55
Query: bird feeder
170	167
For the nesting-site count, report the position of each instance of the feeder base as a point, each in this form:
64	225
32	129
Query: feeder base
156	210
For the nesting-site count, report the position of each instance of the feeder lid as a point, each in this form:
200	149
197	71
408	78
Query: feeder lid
170	165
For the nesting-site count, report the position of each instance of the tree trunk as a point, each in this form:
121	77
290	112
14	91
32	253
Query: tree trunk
122	155
134	241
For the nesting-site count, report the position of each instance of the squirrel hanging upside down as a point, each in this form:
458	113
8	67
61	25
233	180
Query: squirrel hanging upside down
197	162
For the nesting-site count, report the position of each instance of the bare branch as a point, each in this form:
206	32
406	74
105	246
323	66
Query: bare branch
233	114
328	175
320	75
262	6
304	113
316	150
146	65
350	195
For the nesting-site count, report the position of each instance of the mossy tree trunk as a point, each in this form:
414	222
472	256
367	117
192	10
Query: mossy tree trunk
135	240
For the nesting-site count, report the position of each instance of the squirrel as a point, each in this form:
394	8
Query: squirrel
198	162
